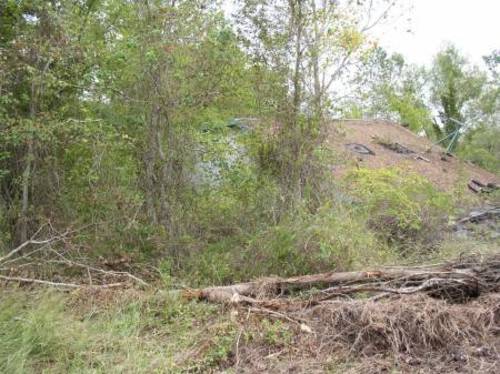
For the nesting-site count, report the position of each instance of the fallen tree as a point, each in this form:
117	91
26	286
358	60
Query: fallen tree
455	281
413	317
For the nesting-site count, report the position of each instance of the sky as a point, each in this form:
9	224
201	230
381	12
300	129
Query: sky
473	26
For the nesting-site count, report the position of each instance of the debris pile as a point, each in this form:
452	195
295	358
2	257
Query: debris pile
393	146
483	223
479	187
443	317
417	334
478	216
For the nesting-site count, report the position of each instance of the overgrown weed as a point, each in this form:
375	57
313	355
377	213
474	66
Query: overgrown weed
133	332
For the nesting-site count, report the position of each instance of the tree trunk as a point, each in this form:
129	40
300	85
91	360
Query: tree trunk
297	21
457	281
149	169
25	193
29	157
317	94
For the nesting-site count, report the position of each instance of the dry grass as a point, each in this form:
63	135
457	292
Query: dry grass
414	325
412	334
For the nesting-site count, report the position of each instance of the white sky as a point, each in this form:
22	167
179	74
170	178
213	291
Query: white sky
473	26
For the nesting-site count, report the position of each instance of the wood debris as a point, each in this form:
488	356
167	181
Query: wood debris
455	281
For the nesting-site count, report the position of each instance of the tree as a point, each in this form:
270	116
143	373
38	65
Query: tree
386	86
309	45
455	86
164	77
40	70
481	145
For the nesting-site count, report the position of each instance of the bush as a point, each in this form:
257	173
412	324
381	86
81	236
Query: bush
331	238
403	208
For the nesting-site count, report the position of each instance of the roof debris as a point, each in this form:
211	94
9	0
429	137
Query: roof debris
479	187
360	148
396	147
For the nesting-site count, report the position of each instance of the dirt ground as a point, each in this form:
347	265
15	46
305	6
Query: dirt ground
444	171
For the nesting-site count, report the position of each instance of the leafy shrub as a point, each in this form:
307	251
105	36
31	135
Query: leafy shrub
331	238
482	147
404	208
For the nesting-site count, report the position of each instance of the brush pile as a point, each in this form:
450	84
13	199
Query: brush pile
414	334
440	318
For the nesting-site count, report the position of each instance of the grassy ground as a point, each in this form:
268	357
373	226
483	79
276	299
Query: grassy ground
109	332
154	331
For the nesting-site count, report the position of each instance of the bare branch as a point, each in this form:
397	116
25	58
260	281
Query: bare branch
27	243
382	15
102	271
58	284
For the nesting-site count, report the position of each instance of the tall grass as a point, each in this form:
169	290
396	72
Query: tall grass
129	333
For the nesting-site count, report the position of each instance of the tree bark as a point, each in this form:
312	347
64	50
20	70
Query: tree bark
298	23
29	157
317	94
454	280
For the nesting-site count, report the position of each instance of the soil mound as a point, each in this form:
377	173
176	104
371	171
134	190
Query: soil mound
387	144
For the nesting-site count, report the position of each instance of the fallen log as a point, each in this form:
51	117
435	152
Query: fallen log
456	281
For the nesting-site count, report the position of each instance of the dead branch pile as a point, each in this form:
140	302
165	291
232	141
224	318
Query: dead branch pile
456	281
52	256
416	333
416	325
435	318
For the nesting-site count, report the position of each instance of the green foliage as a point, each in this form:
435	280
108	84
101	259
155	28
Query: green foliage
36	336
410	109
113	122
454	86
101	332
388	86
401	207
116	125
10	12
482	146
308	243
79	124
276	333
302	242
